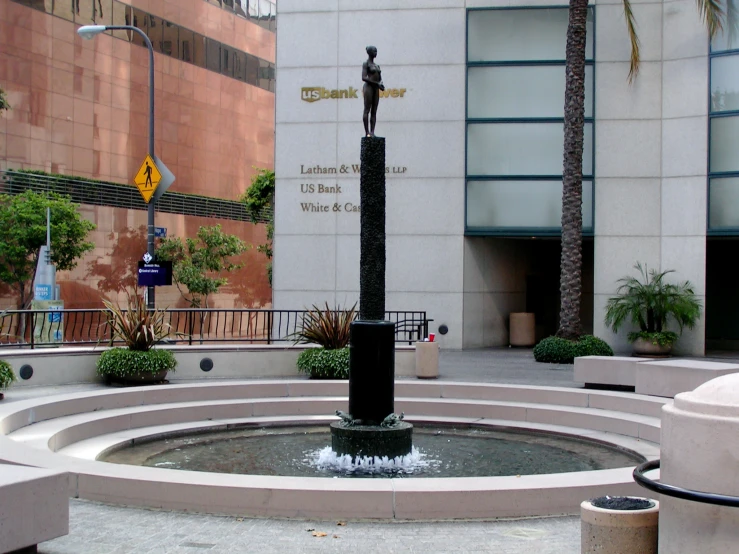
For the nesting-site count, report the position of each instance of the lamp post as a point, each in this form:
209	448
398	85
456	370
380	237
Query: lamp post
88	32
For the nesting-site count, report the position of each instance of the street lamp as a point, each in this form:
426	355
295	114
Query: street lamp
88	32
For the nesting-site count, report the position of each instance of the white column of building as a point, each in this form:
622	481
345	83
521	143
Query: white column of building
651	142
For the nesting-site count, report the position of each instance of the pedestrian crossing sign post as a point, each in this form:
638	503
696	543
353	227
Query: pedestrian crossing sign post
147	179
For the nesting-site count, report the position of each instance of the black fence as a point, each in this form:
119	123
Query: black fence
43	328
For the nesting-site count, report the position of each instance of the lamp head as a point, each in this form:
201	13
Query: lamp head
89	31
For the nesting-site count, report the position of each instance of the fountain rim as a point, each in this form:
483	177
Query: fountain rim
310	497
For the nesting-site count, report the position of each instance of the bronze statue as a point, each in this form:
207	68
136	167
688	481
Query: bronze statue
372	78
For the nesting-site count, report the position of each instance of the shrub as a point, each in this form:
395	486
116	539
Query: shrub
6	375
556	350
122	362
665	338
326	327
138	327
322	363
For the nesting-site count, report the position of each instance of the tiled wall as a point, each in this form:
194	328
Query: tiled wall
80	107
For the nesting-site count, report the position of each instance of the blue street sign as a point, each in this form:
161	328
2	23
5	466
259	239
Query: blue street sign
160	232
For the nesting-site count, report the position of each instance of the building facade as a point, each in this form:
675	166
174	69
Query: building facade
473	123
80	109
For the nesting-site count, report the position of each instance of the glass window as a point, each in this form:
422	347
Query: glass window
725	83
521	35
103	12
228	5
216	2
138	18
213	55
521	204
728	39
252	69
66	9
521	91
120	17
239	63
156	30
170	39
198	50
723	209
265	74
85	11
724	143
185	39
227	54
241	7
521	149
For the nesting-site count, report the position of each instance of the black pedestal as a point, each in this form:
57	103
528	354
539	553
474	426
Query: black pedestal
372	440
371	371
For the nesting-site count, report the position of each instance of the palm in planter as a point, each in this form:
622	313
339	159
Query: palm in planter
329	329
649	303
141	330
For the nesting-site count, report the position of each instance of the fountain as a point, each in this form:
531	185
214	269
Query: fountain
371	429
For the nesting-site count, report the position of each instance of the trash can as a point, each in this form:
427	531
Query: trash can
427	360
522	329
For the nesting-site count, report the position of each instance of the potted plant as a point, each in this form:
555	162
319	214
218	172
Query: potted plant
649	303
6	376
140	329
330	330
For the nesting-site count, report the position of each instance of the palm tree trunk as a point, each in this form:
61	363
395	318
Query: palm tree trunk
570	284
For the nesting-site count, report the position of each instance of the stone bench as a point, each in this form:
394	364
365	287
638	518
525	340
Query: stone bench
34	507
670	377
605	371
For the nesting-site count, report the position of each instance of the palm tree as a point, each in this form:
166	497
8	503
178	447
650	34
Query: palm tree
713	14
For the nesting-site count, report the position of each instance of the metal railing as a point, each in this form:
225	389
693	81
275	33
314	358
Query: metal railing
44	328
679	492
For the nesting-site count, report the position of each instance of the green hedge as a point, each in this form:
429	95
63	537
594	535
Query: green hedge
321	363
6	375
556	350
122	362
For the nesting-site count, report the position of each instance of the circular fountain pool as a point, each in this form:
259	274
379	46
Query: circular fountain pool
438	452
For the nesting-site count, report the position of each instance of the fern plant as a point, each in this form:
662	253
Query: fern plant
326	327
650	303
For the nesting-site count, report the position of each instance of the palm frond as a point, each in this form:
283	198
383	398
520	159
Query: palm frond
634	39
713	15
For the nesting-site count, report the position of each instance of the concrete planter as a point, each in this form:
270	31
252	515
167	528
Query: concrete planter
523	329
616	531
427	360
644	347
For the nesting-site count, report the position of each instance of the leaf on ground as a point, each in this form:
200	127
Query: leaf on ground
239	519
342	523
309	530
319	534
336	536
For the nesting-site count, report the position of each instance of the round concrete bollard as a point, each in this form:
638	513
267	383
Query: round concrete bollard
616	531
523	329
698	452
427	360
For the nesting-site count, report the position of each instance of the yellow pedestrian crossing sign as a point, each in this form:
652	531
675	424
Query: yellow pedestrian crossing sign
147	179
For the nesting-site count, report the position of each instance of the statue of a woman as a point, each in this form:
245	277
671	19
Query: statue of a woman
372	86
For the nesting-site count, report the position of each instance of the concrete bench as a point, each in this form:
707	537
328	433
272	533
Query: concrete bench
670	377
605	371
34	507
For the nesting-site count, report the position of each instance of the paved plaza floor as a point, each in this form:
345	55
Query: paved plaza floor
101	529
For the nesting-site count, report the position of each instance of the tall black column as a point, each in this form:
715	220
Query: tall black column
372	230
372	343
